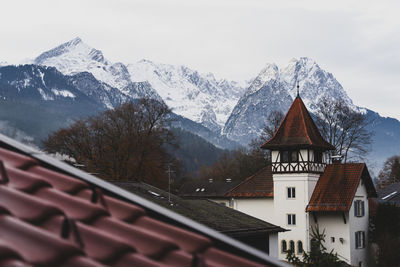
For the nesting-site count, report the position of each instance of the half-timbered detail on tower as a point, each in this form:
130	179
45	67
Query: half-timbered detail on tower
297	146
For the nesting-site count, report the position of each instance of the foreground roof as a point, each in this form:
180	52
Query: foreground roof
52	214
337	186
297	129
209	213
259	184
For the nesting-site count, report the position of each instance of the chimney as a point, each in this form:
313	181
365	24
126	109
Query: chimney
337	158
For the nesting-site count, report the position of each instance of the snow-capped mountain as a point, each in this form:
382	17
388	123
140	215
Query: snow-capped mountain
199	97
275	89
75	56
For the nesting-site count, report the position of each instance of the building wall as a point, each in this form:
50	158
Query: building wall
261	208
333	225
304	184
359	224
273	245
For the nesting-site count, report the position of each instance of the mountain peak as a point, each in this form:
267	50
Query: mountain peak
74	48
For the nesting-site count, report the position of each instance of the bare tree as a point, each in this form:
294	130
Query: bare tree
127	143
390	172
274	119
344	128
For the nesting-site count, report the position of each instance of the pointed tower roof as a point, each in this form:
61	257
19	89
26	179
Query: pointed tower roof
297	130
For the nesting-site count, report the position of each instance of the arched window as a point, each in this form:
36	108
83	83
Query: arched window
299	247
283	246
291	245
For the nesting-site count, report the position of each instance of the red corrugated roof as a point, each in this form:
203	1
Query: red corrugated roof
51	219
259	184
297	129
337	186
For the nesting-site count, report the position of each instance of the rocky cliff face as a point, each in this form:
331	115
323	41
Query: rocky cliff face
275	89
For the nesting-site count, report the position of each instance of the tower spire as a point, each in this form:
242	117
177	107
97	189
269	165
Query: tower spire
298	86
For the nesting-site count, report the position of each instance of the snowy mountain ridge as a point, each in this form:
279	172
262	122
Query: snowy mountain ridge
75	56
199	97
275	89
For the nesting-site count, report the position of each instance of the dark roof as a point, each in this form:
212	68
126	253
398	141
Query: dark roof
390	194
259	184
52	214
209	213
297	129
206	189
337	186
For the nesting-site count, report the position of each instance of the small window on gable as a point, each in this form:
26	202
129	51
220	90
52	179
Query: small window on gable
359	209
291	192
283	246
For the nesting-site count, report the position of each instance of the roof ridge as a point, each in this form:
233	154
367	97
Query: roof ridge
304	121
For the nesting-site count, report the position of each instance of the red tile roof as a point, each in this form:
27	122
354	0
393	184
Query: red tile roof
259	184
48	218
297	129
337	186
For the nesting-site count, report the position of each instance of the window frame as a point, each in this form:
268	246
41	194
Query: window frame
291	219
292	246
300	246
360	239
283	246
359	208
291	192
286	156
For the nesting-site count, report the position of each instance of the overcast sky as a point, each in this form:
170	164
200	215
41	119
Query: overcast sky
357	41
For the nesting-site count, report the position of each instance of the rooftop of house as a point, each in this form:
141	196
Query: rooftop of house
259	184
209	213
337	186
297	129
52	214
207	188
390	194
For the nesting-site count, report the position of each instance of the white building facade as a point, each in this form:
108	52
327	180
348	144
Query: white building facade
301	191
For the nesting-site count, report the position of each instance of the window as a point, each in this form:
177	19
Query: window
294	156
359	209
291	219
283	246
299	247
332	239
284	156
360	239
231	203
291	192
318	156
290	156
291	245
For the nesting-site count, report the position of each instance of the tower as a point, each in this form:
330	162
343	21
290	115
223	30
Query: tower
298	155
